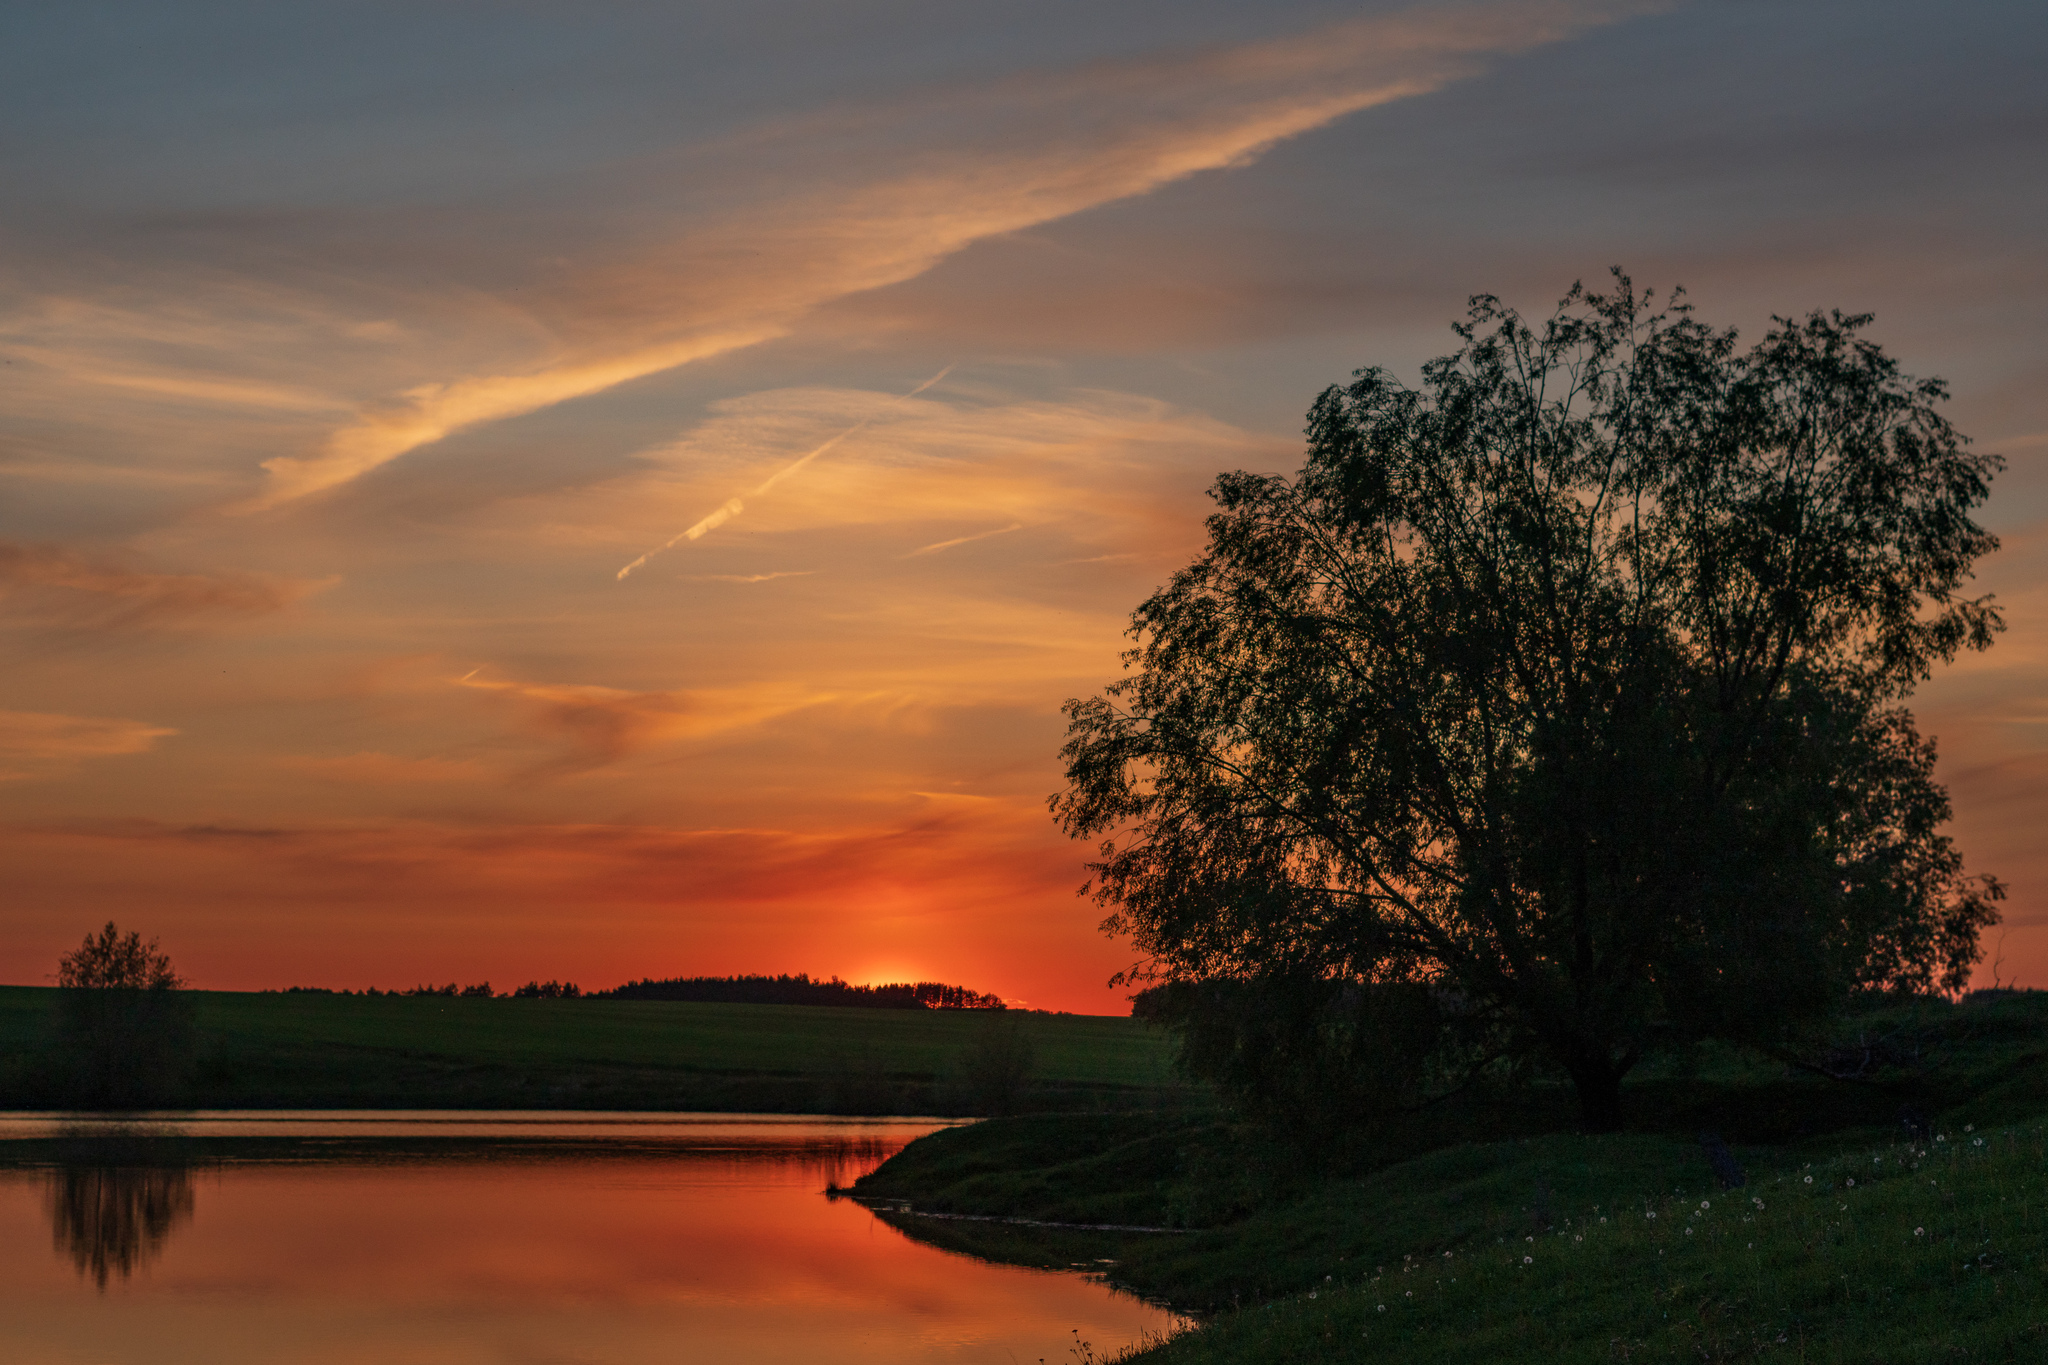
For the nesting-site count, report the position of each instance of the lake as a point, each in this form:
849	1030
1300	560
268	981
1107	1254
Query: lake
498	1239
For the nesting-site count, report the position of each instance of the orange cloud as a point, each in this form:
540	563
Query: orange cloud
980	892
598	726
82	590
1091	463
37	744
1027	160
378	769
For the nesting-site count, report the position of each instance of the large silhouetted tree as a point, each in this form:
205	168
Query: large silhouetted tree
1569	685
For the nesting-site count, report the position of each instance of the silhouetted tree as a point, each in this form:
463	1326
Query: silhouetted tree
1570	682
124	1029
548	990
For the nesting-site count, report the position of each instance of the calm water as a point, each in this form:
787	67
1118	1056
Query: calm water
514	1239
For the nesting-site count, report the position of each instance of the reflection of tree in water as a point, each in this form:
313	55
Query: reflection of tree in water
115	1218
834	1161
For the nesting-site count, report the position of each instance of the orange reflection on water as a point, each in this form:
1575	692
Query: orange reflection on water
697	1256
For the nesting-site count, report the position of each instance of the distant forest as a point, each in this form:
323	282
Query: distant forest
801	990
730	990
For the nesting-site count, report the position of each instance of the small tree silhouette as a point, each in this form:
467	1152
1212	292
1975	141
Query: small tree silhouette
124	1029
117	961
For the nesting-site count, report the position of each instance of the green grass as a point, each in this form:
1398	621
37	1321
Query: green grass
1272	1232
1417	1254
1891	1252
1145	1169
428	1051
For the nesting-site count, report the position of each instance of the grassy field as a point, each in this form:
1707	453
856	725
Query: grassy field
1891	1252
1848	1243
278	1050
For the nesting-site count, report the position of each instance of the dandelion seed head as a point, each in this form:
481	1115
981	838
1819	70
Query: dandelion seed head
1528	1260
1919	1232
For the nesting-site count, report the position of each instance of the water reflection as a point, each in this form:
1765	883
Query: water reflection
668	1239
113	1219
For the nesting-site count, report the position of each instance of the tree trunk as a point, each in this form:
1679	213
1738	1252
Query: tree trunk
1598	1081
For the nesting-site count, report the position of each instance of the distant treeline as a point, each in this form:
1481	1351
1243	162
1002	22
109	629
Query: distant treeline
728	990
534	990
801	990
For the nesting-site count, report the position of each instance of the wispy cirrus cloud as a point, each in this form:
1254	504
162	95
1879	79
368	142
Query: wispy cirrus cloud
1011	155
65	586
592	726
1090	461
733	506
37	744
381	769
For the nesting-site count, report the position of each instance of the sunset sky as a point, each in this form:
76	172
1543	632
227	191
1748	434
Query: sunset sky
351	355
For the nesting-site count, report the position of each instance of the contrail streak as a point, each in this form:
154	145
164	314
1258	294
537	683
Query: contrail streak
965	540
733	506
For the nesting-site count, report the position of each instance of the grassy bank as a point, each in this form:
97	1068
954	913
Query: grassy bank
324	1051
1419	1256
1891	1252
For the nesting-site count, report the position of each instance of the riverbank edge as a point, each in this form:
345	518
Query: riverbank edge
1048	1190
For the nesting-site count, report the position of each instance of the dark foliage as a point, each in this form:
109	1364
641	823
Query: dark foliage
802	990
546	990
124	1028
1570	683
1325	1063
